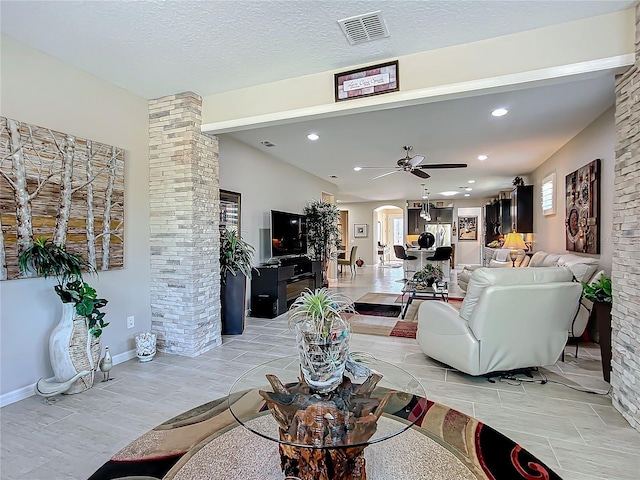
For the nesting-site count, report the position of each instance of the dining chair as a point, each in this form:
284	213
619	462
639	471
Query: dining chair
351	261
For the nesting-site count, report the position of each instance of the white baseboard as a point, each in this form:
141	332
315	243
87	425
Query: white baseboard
25	392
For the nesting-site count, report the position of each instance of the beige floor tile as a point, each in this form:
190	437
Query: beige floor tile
589	460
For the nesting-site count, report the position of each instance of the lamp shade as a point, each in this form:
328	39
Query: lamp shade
514	240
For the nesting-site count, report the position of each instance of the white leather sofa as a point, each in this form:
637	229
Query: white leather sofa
497	327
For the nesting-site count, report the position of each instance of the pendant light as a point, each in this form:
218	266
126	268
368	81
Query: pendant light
425	205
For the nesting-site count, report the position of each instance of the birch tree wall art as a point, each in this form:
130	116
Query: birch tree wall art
58	186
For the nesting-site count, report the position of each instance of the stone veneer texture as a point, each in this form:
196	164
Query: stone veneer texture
625	378
184	217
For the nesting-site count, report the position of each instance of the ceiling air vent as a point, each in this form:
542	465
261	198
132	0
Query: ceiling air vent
267	143
364	28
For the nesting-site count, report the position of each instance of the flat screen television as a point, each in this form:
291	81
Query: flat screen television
288	234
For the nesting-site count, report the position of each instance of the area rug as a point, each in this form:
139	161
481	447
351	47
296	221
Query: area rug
206	442
374	315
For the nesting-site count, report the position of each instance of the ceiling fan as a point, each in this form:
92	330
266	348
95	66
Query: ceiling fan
412	165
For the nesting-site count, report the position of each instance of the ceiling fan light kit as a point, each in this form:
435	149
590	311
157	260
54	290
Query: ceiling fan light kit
412	164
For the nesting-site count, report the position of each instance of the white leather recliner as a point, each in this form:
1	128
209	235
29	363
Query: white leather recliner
511	318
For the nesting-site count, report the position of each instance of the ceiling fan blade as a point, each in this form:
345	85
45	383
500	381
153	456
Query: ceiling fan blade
415	161
385	174
386	168
443	165
420	173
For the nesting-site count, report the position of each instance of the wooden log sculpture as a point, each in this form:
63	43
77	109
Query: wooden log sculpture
336	426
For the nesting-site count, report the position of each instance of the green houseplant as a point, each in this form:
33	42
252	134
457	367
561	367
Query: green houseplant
429	274
46	259
236	265
322	336
74	343
599	292
323	234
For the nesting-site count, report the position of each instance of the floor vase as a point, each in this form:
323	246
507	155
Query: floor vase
72	349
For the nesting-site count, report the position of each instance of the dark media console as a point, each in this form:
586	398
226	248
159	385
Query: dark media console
276	287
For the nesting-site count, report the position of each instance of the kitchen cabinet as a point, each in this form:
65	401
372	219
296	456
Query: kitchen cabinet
522	209
504	216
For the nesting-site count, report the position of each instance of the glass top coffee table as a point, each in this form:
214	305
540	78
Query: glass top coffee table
318	431
423	292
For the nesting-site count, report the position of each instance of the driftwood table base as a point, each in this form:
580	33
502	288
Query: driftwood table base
345	463
323	437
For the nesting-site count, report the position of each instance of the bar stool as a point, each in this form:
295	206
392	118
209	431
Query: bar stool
442	254
401	253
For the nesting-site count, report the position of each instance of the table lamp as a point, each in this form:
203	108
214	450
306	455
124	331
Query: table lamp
514	241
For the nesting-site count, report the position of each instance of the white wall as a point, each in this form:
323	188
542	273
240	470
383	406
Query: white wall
595	141
41	90
265	184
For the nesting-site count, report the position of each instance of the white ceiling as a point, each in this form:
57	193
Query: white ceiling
156	48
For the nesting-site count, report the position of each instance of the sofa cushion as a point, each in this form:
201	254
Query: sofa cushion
538	259
484	278
551	260
583	268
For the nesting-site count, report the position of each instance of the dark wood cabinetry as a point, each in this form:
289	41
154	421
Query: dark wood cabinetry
416	224
491	222
275	287
522	209
504	216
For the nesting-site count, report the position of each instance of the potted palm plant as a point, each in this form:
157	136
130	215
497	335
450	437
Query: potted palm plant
81	320
323	235
322	336
236	265
599	292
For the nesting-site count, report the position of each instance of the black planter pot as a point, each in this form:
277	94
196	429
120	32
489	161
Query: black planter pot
602	313
232	296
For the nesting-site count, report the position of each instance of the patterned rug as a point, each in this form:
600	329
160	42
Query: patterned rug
370	322
207	443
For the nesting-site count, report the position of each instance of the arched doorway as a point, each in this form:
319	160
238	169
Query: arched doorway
388	230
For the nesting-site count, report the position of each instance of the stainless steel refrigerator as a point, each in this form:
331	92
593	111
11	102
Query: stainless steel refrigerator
441	232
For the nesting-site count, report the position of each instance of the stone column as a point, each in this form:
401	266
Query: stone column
184	201
625	377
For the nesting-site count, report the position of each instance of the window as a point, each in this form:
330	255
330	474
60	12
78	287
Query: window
547	197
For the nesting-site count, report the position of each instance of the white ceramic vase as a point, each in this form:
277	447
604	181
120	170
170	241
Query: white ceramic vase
73	349
146	346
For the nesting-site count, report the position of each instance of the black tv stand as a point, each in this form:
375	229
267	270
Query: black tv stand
277	286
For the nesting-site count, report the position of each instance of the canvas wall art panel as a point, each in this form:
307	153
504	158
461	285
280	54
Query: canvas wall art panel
582	218
62	187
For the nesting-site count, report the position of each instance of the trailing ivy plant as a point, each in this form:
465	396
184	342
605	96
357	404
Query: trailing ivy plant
236	255
46	259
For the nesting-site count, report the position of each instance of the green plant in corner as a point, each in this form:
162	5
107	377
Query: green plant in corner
46	259
323	234
236	255
598	291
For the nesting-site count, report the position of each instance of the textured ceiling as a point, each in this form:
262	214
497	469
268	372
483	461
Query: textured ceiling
155	48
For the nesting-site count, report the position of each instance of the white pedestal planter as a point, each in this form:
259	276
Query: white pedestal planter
146	346
73	349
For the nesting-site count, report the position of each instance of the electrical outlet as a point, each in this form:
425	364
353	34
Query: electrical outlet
131	321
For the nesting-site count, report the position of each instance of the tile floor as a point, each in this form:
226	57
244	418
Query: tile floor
581	436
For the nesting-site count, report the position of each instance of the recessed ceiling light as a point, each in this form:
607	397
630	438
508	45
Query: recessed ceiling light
467	194
449	193
482	158
471	181
468	189
357	169
313	136
499	112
